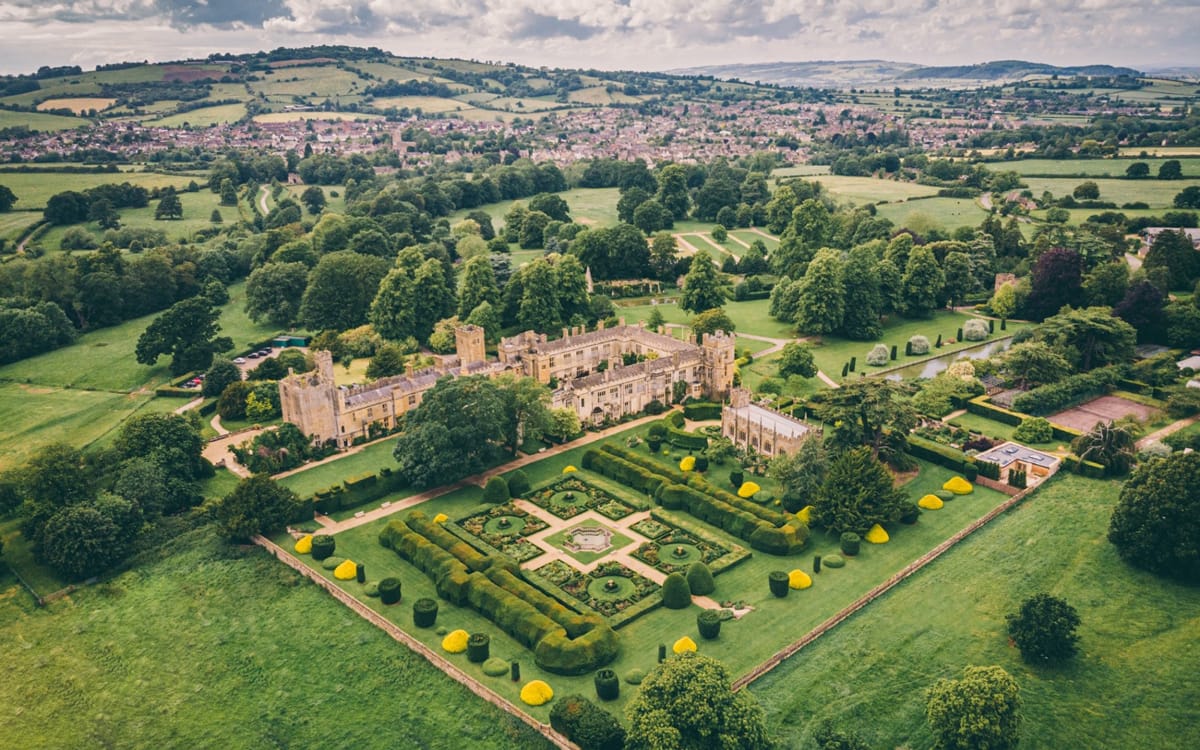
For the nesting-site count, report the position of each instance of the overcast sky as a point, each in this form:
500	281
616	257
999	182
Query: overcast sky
612	34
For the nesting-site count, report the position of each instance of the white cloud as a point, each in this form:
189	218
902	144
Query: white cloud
650	34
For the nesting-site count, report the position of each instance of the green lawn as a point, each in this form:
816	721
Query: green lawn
39	121
834	351
197	215
930	213
619	541
369	459
1134	684
19	557
1157	193
774	622
862	190
1087	168
212	646
750	317
590	206
993	429
33	189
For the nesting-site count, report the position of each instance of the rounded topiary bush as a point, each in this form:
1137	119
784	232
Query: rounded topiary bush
495	491
608	686
910	515
735	477
918	345
425	612
778	582
389	590
675	592
708	622
323	546
702	462
833	561
635	676
850	543
700	579
878	356
495	667
944	495
975	330
371	589
478	648
331	563
1034	430
518	484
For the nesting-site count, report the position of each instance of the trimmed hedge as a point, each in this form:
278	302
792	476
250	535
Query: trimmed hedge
1089	469
518	484
937	453
425	612
478	648
699	411
389	590
700	579
708	622
680	437
982	406
608	685
850	543
323	546
1068	391
586	724
675	592
563	642
777	580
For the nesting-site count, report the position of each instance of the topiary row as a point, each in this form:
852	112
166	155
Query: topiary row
680	437
563	641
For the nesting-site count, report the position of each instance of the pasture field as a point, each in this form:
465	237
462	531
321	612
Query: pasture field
197	215
317	81
33	189
1087	168
335	205
13	222
118	662
1156	193
590	206
928	213
39	121
1132	685
860	190
429	104
600	96
801	170
1166	152
317	116
202	117
78	105
53	87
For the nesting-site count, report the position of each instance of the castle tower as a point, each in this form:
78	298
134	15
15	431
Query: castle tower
469	344
309	400
717	351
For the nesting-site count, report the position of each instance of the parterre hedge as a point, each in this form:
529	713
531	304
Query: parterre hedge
699	411
1068	391
1090	469
563	642
944	455
985	408
680	437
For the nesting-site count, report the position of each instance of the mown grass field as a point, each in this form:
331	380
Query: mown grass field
77	104
298	116
590	206
211	646
1133	685
1087	167
931	213
1156	193
202	117
197	215
81	393
13	222
33	189
860	190
39	121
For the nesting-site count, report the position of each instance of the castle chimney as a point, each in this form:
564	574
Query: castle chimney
409	370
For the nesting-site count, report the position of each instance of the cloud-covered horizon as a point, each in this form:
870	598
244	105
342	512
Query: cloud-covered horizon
630	34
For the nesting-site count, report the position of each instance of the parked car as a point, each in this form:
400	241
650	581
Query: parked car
239	361
253	355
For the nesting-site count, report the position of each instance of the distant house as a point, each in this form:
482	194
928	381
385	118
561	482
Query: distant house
1150	233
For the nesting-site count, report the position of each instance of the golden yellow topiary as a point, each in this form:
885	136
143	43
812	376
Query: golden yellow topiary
688	463
345	570
536	693
798	579
958	486
683	645
455	642
931	502
877	535
441	518
748	489
567	470
805	515
304	545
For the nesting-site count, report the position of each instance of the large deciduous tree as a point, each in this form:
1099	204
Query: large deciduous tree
686	704
1173	251
340	290
478	285
1044	629
797	359
188	332
861	288
1057	281
821	303
258	505
921	284
981	709
702	287
274	291
1156	524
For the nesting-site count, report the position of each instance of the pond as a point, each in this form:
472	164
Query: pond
931	367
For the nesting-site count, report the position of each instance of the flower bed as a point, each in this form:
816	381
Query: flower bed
660	552
569	497
590	588
489	527
650	528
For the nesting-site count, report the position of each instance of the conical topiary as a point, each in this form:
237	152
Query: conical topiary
700	579
675	592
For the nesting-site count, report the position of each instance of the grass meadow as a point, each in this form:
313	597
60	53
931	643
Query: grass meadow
1133	684
33	189
197	215
206	645
930	213
202	117
1156	193
1087	168
39	121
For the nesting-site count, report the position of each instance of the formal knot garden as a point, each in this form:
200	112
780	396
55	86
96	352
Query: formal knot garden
624	558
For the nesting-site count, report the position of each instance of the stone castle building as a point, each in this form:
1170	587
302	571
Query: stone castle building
601	374
762	430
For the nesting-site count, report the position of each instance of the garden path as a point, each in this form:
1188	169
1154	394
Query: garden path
219	453
740	241
334	527
216	425
688	246
263	192
189	405
1169	429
